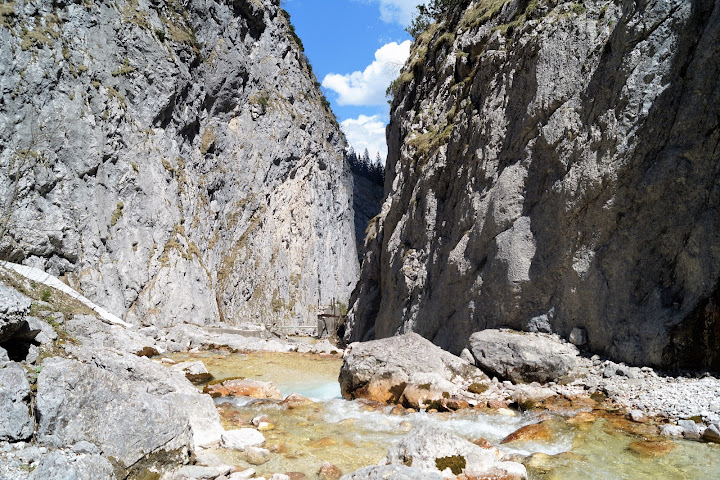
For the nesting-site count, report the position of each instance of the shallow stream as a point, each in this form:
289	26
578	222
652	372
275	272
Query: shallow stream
353	434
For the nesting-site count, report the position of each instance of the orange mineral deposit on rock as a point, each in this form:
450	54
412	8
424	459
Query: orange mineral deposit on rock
244	388
535	431
652	448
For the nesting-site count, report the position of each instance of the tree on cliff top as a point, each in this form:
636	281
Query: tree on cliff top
429	14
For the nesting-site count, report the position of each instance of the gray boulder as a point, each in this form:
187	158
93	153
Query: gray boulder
523	357
391	472
92	332
80	402
432	449
160	381
16	421
388	370
63	465
194	472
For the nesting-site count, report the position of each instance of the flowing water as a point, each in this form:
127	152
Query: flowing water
353	434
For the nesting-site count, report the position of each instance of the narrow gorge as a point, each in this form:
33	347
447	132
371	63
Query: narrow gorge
201	280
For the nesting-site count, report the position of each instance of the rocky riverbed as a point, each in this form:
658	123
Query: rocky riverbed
86	397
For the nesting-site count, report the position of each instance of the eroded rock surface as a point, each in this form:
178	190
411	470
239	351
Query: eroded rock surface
391	472
550	157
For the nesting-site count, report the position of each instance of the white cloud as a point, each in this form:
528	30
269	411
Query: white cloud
398	11
368	87
366	132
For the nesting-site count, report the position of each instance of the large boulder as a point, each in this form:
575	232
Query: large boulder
405	369
391	472
138	430
523	357
160	381
16	422
432	449
141	414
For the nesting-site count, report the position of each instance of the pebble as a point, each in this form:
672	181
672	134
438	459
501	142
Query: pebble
637	416
244	475
671	430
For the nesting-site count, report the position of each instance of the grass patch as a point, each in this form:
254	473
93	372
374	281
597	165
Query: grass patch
43	34
208	141
117	213
125	69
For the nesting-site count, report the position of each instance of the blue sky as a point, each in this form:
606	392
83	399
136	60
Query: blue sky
356	48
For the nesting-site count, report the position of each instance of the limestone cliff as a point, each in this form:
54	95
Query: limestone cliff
555	163
174	161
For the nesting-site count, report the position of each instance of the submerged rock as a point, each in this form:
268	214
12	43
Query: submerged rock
256	455
244	388
523	357
652	448
384	370
328	471
432	449
533	432
391	472
241	438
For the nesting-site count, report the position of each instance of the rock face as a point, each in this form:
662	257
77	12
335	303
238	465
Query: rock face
367	198
173	161
523	358
16	422
404	369
549	157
